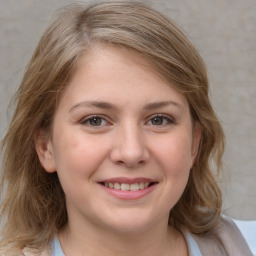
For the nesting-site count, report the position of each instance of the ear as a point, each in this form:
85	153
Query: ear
44	149
196	141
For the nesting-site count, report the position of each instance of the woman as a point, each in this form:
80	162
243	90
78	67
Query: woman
110	146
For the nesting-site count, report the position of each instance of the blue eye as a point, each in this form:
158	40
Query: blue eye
160	120
94	121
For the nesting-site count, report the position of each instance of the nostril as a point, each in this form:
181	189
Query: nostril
129	163
120	162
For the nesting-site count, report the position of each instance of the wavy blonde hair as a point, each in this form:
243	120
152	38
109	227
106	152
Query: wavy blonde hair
33	202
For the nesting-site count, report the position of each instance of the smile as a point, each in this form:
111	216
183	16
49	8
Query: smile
126	186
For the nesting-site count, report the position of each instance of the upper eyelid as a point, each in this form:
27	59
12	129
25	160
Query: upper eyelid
161	115
108	120
86	118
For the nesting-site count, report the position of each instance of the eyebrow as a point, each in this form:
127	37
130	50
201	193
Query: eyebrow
156	105
97	104
106	105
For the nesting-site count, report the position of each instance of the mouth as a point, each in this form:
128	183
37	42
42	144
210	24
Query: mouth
126	186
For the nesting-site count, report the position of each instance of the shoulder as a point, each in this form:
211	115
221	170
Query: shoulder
242	232
248	229
228	240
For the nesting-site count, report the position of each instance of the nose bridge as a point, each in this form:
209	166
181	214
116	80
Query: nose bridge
130	145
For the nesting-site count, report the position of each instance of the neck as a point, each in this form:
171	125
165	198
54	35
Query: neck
158	240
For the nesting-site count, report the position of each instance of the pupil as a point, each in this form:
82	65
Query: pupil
157	120
96	121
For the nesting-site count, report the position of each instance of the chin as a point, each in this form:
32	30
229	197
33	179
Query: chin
132	223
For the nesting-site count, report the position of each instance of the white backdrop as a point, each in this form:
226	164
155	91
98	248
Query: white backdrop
224	32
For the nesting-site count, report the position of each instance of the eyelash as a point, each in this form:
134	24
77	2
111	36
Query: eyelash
165	120
85	121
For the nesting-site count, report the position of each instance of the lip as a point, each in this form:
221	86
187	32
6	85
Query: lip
127	180
128	195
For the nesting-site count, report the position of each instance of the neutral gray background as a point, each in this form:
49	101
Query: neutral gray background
224	32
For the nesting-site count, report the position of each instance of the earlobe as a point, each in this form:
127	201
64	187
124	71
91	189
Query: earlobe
44	149
196	141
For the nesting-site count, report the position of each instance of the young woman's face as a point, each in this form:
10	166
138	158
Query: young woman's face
123	143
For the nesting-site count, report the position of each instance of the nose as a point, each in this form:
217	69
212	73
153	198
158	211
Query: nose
130	147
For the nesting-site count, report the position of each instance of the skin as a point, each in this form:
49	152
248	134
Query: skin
130	137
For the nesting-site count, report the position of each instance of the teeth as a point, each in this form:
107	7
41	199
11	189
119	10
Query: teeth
127	187
142	185
117	186
135	187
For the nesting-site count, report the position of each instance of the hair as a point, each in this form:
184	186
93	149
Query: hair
33	203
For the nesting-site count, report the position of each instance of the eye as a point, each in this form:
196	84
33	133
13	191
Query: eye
160	120
96	121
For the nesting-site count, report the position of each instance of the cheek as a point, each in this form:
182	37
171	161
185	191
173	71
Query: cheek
78	155
174	153
174	157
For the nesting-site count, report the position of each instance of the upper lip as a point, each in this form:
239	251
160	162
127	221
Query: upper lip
127	180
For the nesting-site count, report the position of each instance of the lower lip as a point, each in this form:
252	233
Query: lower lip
129	195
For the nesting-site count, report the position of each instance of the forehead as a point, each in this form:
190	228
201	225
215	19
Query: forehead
114	54
116	74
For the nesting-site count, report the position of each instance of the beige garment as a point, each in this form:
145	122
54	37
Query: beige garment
229	241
